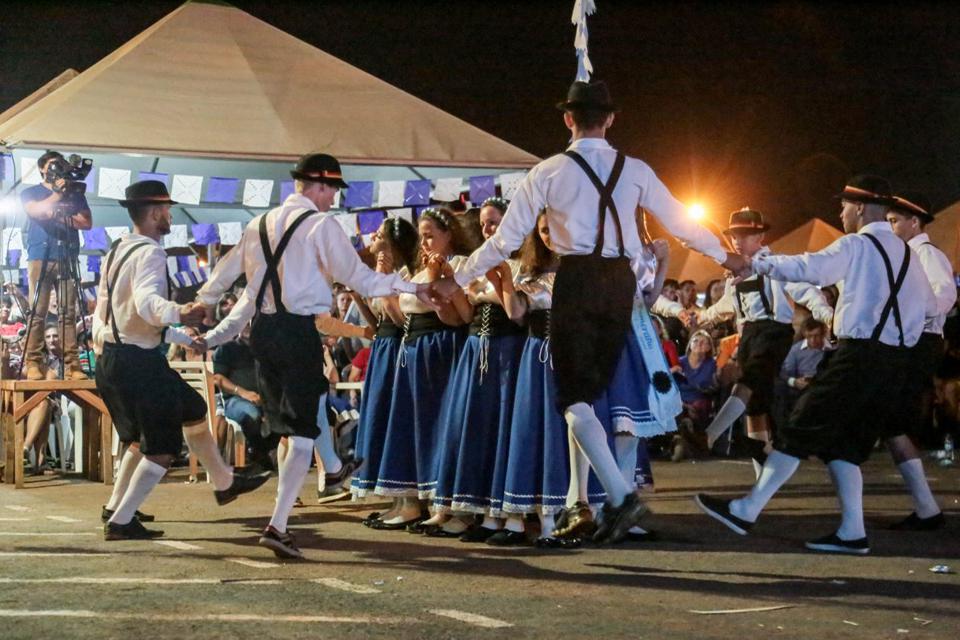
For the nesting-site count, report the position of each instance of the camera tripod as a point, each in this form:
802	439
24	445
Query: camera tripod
68	270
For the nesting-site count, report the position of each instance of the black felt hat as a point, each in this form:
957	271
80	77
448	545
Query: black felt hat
913	203
868	189
319	167
746	220
590	95
146	192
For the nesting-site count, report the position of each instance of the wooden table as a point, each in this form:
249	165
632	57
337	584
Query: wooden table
19	397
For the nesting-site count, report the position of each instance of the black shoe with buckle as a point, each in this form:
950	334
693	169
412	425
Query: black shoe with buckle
833	544
282	544
617	521
719	510
106	514
913	522
133	530
575	522
241	484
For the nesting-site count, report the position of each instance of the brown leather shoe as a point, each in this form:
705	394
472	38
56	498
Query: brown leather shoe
34	372
74	374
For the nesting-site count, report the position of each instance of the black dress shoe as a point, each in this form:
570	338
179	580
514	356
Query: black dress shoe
106	514
241	484
913	522
617	521
346	470
833	544
133	530
552	542
719	510
370	518
477	534
437	531
507	538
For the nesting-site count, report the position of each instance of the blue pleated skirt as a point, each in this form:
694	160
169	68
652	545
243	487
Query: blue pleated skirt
475	426
424	369
375	413
538	468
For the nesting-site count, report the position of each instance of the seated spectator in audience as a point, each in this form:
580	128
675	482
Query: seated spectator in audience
88	359
8	327
697	375
799	368
235	373
671	290
698	386
674	326
358	373
688	295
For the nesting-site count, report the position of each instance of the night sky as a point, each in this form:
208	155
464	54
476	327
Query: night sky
733	104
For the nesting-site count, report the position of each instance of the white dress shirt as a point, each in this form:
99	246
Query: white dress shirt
940	274
141	305
560	184
777	293
318	253
864	290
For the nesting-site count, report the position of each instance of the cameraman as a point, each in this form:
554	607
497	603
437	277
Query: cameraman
40	202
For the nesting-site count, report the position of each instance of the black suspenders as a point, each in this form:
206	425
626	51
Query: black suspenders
606	196
892	303
112	282
272	258
748	286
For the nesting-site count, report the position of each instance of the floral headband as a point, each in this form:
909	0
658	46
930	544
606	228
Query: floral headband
496	202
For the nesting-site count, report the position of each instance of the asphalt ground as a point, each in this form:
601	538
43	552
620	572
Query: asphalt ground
207	578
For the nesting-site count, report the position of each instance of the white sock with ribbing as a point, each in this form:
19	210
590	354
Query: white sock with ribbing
732	409
145	477
579	472
778	468
293	472
202	445
128	464
848	481
626	446
916	480
592	439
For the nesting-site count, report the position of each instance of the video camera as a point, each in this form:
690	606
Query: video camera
72	171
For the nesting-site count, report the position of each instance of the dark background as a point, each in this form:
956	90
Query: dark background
770	105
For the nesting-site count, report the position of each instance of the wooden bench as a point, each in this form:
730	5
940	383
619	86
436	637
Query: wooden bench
19	397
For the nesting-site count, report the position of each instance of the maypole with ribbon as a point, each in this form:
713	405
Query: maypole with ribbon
582	9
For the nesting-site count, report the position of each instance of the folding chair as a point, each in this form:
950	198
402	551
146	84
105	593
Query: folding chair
199	375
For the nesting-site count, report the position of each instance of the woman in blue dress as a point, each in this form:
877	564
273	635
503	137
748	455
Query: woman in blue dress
431	345
475	419
395	248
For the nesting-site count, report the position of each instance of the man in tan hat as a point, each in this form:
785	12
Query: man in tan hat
764	317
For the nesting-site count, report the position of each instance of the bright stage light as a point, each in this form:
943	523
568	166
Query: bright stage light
696	211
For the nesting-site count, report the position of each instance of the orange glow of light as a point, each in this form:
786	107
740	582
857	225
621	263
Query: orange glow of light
697	211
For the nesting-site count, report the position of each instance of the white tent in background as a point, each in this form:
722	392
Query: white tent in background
944	232
813	235
210	90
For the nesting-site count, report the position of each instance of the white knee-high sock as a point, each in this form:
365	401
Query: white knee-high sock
293	472
547	525
202	444
916	480
145	477
848	481
579	472
732	409
592	439
778	468
626	445
128	464
514	524
324	442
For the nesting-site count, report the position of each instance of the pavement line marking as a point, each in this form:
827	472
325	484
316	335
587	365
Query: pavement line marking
222	617
342	585
471	618
125	580
176	544
47	554
16	507
66	534
14	519
256	564
62	519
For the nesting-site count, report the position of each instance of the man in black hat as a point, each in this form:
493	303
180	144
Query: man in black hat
595	285
884	301
152	407
290	256
909	215
765	319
